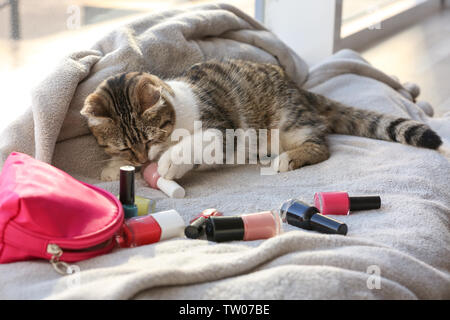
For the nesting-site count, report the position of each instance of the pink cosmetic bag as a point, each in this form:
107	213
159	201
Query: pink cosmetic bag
46	213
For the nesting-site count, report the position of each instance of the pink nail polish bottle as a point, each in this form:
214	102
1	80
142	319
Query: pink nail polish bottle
339	203
247	227
169	187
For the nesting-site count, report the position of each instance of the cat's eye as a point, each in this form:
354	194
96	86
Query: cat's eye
124	149
165	123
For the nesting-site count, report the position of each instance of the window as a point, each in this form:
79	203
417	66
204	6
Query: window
316	29
365	21
368	14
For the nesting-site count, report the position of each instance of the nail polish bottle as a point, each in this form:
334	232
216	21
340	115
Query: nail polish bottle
138	231
169	187
300	214
247	227
197	225
127	191
339	203
144	205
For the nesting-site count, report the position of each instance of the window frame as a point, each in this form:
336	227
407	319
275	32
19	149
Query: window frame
365	37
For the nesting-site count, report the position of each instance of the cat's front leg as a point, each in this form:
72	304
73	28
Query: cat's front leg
201	150
111	171
176	161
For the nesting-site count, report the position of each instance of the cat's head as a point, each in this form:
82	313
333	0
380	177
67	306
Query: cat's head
130	113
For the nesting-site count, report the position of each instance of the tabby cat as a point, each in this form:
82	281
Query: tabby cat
132	115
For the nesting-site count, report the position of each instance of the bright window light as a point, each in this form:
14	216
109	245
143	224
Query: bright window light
360	15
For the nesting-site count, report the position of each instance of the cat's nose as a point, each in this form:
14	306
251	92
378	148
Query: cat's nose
141	154
142	157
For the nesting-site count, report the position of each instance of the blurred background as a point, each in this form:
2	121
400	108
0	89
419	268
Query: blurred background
407	38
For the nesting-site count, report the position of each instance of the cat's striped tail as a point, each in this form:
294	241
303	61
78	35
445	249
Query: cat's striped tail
348	120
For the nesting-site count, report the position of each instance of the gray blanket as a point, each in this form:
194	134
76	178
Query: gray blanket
398	252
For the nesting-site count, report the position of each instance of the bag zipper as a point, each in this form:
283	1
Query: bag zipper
81	243
60	266
57	247
56	252
15	231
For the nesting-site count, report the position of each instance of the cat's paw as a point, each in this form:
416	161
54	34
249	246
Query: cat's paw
171	166
444	149
155	151
283	163
110	173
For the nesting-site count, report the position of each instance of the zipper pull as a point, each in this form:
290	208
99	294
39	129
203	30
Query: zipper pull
59	266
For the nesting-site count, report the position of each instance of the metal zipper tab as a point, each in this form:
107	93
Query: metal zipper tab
59	266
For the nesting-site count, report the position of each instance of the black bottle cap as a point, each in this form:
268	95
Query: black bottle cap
297	213
224	228
302	215
364	203
326	224
196	229
127	185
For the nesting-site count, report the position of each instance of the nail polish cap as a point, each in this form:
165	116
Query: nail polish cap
325	224
196	229
300	214
224	228
365	203
197	225
171	223
171	188
297	213
127	185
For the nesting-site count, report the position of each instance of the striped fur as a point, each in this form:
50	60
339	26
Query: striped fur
132	113
347	120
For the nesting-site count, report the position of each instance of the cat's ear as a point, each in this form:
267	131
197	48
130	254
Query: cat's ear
150	89
148	96
161	84
96	110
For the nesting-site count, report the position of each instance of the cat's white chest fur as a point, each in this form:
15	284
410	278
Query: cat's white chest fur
185	104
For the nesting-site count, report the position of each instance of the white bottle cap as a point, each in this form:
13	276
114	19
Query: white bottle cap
171	223
171	188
